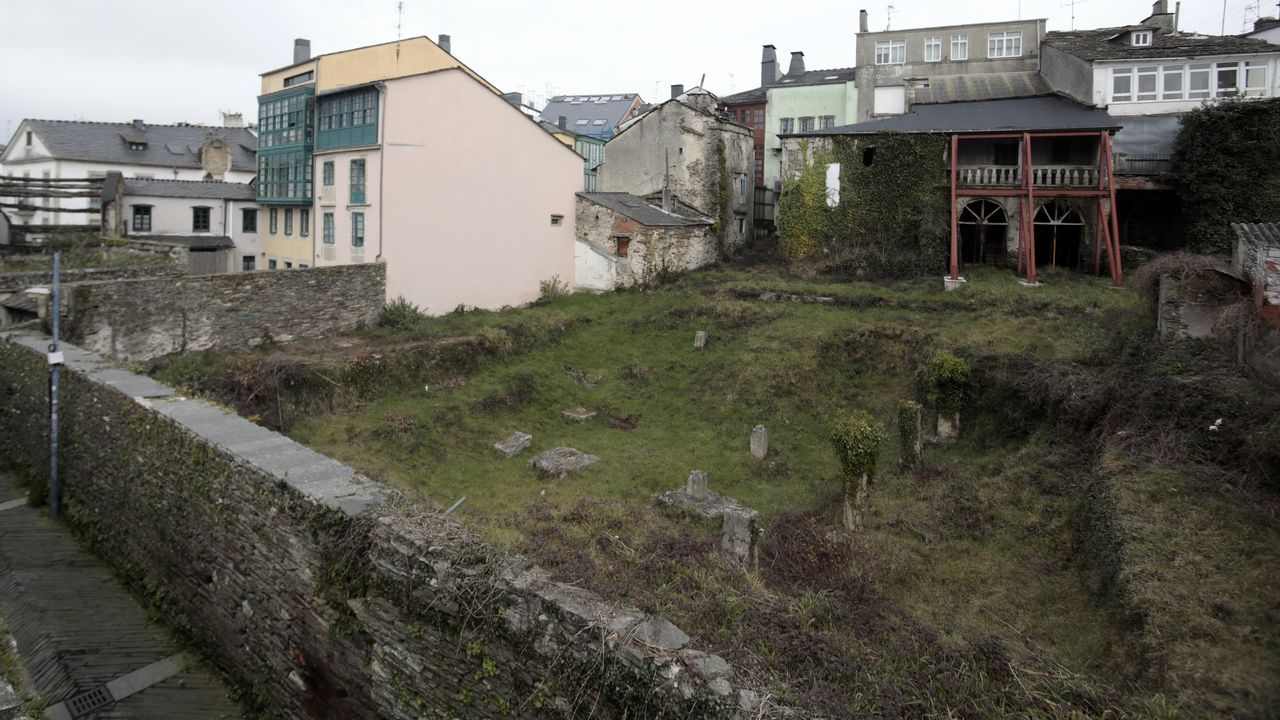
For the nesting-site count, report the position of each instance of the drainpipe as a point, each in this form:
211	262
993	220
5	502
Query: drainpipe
382	157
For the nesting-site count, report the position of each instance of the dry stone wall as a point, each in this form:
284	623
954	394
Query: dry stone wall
321	593
140	319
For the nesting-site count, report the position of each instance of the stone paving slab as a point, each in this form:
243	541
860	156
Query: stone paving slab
76	628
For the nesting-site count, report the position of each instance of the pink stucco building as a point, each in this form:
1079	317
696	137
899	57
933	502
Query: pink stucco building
465	200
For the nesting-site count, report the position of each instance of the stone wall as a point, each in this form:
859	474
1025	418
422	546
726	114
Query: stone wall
144	319
321	593
652	251
11	281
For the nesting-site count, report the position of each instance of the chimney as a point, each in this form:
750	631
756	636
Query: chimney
1160	16
797	64
677	91
769	67
862	21
514	98
562	122
232	120
446	44
301	50
139	125
1265	23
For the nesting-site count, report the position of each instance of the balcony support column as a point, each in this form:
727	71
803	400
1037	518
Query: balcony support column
955	212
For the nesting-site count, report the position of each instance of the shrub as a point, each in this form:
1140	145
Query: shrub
549	290
400	314
946	381
857	440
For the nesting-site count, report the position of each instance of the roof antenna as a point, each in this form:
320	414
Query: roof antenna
399	23
703	82
888	16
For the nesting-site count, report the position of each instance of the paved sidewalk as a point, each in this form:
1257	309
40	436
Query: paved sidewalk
84	640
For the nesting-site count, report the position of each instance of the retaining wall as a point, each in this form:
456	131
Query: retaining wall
321	593
140	319
11	281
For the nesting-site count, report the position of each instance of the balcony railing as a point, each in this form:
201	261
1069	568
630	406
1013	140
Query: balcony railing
1143	164
1081	176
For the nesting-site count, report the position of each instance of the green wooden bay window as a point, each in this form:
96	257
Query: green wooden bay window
357	181
347	119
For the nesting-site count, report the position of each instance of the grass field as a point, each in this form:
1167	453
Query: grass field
970	594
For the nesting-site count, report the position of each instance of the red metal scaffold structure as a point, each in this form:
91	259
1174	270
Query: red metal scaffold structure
1108	225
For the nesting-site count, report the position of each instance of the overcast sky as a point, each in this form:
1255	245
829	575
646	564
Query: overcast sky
185	60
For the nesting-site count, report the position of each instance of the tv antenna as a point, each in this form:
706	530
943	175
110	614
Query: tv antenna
1072	4
399	24
888	16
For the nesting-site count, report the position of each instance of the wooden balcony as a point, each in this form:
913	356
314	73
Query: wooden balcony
1043	176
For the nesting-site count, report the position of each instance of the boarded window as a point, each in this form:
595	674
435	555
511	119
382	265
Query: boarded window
622	246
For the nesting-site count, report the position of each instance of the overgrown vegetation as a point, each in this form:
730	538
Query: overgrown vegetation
1224	168
1038	567
81	251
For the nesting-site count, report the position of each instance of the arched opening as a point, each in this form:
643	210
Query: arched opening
1058	232
984	229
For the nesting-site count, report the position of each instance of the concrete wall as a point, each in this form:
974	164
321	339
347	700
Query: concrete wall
147	318
410	56
637	163
294	248
470	188
318	595
336	199
1067	74
869	75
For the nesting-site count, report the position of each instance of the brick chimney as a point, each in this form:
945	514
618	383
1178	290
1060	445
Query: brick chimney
1160	16
138	125
301	50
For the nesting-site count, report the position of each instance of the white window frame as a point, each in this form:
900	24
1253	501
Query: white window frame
1151	73
1253	79
1141	38
1003	44
933	48
1167	72
1117	74
891	52
1256	90
960	47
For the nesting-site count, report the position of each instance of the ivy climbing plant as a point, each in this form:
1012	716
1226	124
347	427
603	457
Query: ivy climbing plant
857	440
804	219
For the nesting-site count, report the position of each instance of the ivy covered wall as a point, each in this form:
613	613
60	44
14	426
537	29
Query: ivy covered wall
891	220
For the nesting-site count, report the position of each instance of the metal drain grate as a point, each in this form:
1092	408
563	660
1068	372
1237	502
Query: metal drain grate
86	703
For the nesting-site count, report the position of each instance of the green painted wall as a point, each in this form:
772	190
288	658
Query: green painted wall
838	99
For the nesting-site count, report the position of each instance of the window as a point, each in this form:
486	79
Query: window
28	138
300	78
1198	81
1173	85
891	52
271	264
199	219
304	222
1141	38
272	221
302	266
806	124
557	220
347	119
933	49
1004	44
1121	84
1147	77
622	246
584	121
1004	153
357	229
95	203
328	173
826	121
1255	78
249	220
786	126
327	230
142	218
137	145
247	263
1228	75
357	181
597	122
288	265
759	121
959	47
288	221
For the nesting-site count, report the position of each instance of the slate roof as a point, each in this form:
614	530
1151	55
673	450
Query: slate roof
638	209
201	189
194	242
981	86
1114	44
1261	234
748	97
167	145
583	107
1051	112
